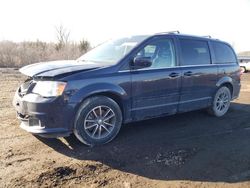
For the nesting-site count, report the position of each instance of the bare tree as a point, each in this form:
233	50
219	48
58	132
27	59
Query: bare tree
14	54
62	35
84	46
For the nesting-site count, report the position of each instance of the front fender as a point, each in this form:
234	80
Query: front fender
93	89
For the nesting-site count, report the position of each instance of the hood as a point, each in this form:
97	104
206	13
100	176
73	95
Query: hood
54	68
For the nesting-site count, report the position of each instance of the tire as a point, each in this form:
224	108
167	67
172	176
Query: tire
97	121
221	102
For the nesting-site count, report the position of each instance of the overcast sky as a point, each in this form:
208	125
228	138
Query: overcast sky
99	20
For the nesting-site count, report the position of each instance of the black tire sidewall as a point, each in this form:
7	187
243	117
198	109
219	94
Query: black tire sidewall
85	108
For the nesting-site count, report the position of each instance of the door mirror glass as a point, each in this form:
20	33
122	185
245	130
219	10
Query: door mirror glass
142	62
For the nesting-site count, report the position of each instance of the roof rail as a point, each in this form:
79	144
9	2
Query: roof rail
207	36
170	32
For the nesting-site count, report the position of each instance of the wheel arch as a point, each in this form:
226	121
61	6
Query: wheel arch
113	95
226	81
114	92
229	86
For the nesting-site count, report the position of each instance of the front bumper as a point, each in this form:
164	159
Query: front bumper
47	117
45	132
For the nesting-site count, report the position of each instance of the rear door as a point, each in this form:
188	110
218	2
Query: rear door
199	75
155	90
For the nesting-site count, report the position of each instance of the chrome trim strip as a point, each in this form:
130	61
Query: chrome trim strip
184	66
124	71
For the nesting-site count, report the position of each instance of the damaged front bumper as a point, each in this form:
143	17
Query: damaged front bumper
46	117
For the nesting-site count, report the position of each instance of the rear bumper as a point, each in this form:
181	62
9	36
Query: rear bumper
46	117
236	90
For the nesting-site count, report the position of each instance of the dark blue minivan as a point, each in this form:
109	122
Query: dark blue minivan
124	80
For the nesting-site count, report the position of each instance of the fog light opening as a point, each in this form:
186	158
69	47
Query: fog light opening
35	122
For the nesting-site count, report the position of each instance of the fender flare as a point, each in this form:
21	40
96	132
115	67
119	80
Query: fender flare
224	80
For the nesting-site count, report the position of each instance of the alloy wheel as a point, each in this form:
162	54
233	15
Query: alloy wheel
99	122
222	102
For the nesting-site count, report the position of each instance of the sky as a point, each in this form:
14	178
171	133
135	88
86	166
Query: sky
100	20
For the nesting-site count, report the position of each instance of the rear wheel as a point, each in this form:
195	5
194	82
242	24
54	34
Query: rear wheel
98	121
221	102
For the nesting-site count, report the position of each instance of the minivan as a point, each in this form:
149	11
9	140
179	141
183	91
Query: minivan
125	80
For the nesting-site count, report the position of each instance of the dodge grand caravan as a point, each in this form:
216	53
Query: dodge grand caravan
125	80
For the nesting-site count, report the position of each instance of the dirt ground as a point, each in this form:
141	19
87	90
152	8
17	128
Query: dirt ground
185	150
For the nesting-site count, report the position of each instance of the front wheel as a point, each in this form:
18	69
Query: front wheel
98	121
221	102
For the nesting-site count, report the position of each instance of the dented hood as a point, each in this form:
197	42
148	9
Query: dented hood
54	68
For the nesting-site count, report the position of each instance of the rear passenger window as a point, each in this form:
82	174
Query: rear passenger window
223	53
194	52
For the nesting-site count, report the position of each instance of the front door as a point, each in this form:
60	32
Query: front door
155	90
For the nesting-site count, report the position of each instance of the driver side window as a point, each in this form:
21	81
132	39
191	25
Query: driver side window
160	52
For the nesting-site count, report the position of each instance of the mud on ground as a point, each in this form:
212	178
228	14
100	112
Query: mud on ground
185	150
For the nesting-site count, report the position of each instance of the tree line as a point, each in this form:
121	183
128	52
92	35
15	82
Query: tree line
18	54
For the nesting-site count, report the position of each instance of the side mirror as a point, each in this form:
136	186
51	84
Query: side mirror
141	62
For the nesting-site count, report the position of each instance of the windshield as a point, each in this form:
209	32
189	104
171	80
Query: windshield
112	51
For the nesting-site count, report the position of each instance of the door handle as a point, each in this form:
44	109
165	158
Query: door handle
174	74
188	73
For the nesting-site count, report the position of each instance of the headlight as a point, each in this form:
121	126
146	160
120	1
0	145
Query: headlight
49	88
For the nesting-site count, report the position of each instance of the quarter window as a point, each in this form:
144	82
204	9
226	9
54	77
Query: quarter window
161	53
194	52
223	53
